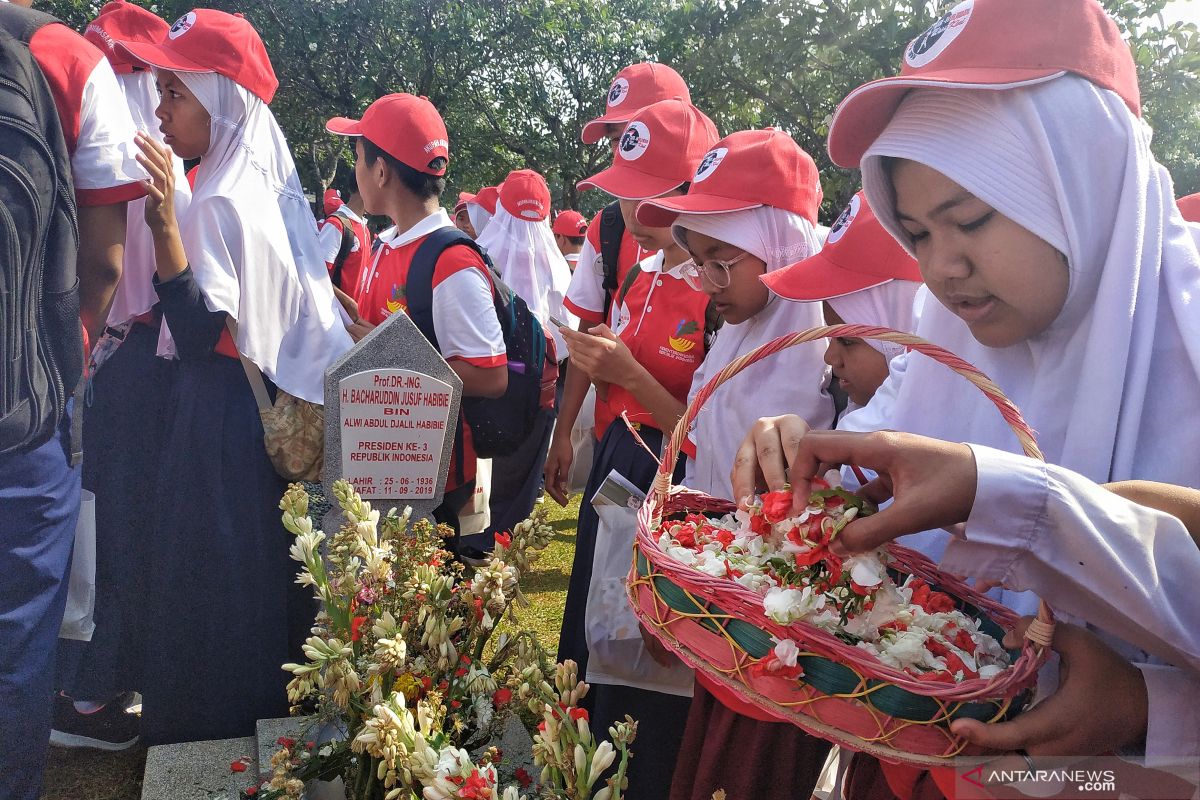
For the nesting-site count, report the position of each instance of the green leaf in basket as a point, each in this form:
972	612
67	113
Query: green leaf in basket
863	505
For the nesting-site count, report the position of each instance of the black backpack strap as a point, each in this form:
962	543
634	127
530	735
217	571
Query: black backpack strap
344	249
612	229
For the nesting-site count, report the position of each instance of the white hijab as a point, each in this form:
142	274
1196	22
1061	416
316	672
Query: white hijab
888	305
1111	386
135	293
531	264
790	382
251	240
479	217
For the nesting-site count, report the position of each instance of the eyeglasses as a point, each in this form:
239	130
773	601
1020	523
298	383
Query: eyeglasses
716	272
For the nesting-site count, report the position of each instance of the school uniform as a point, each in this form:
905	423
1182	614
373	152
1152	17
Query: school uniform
39	490
464	317
223	608
330	236
586	293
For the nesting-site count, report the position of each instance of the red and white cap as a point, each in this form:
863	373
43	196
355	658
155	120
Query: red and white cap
634	88
406	127
1189	206
331	201
991	44
525	195
658	151
121	21
570	223
204	40
745	170
857	255
463	199
486	198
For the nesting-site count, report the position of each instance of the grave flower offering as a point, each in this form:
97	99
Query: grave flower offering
406	661
784	557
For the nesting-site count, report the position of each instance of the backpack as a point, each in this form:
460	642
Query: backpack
612	230
41	339
344	249
498	425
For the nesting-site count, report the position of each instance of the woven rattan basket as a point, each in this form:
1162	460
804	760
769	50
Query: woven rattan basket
846	695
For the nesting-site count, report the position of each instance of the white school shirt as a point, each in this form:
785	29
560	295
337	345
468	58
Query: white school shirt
1127	569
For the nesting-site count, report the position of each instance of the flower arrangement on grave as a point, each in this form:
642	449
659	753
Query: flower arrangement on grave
406	661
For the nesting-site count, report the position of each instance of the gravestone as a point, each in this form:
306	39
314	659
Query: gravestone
391	407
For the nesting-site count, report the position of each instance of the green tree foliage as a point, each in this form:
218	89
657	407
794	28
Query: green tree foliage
517	79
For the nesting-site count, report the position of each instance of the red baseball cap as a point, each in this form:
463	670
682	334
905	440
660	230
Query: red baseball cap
1189	206
745	170
406	127
122	21
463	199
659	150
487	197
204	40
525	195
634	88
570	223
332	201
857	255
991	44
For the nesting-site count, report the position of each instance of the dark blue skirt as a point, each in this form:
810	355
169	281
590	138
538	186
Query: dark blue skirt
223	612
124	422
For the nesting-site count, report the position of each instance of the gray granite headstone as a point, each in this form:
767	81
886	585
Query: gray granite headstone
200	770
391	406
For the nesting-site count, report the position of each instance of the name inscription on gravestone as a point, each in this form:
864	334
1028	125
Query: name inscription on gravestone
393	426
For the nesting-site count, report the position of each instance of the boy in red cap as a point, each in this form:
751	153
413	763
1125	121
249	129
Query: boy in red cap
345	238
644	363
39	489
402	156
569	229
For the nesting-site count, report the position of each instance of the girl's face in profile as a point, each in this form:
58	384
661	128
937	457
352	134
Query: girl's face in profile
1007	284
182	119
730	276
859	368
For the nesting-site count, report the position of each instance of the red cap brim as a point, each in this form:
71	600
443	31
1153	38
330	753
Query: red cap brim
662	212
596	130
627	183
344	126
161	57
866	111
818	278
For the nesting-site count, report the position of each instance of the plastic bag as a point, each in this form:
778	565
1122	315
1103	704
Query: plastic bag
79	620
475	516
616	652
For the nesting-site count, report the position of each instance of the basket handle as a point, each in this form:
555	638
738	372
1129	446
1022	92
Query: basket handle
1041	630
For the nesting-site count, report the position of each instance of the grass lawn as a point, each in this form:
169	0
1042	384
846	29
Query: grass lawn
93	775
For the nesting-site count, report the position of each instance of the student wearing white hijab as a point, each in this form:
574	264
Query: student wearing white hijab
523	250
750	211
123	430
481	207
246	253
1087	319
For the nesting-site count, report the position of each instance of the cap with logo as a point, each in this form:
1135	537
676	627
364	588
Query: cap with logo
123	21
745	170
570	223
525	195
634	88
406	127
331	201
486	198
658	151
857	255
991	44
205	40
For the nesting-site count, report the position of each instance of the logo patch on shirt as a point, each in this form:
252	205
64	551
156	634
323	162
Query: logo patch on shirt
182	25
844	221
618	92
930	44
634	142
678	342
398	300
